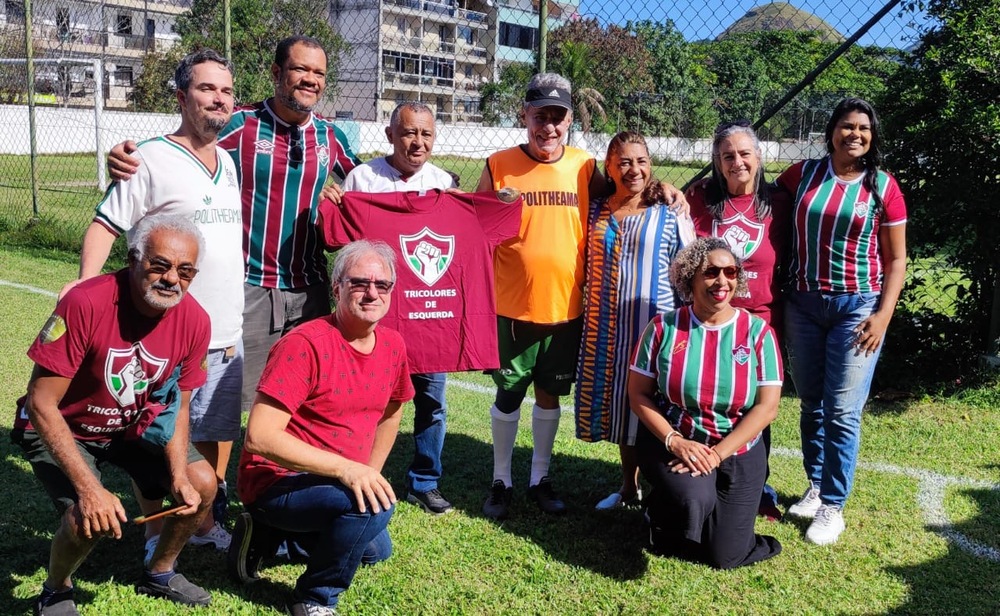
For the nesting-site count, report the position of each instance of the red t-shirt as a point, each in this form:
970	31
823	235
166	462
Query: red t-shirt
115	357
336	395
444	303
761	244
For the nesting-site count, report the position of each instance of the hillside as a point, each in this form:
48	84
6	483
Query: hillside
781	16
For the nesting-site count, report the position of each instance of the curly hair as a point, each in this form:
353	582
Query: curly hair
690	261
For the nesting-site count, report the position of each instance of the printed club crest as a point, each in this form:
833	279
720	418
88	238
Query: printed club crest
323	154
427	254
861	209
741	354
129	372
743	236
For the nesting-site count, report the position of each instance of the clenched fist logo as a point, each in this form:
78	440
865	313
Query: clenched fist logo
429	256
737	239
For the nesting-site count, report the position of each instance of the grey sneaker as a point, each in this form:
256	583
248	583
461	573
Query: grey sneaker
56	604
807	505
432	501
251	544
178	590
497	504
826	526
217	537
311	609
545	496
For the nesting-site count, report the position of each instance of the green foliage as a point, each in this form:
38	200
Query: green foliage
942	115
154	87
501	100
257	26
575	63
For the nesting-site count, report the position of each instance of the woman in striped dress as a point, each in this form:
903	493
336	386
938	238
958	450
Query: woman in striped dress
848	263
632	237
705	381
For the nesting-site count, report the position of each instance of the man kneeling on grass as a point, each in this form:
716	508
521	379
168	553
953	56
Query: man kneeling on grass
114	369
325	418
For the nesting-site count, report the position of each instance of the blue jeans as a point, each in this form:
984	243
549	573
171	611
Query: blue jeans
323	509
429	423
832	380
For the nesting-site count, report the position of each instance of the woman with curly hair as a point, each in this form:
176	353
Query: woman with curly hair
632	238
705	381
848	262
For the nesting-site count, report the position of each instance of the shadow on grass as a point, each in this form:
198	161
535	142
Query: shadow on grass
963	581
608	543
28	520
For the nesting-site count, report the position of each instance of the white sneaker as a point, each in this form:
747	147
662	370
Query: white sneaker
615	501
826	526
808	505
216	537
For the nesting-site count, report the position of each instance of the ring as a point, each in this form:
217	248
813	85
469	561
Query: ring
693	459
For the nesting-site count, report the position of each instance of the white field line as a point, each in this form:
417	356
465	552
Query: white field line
930	492
931	486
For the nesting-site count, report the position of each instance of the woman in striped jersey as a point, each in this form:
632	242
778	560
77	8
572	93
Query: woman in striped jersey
848	262
632	237
705	381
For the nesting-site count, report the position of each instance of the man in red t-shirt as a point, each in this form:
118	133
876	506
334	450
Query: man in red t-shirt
114	369
325	418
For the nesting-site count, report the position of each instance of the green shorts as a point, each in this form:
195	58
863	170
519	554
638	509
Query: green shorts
545	355
144	463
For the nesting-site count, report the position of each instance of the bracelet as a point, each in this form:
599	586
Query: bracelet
666	441
717	455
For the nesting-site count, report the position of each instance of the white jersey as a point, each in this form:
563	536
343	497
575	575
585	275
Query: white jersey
171	180
378	176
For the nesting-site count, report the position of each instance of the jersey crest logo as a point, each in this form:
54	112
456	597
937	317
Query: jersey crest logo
743	236
861	209
741	354
129	372
263	146
428	254
323	154
230	180
53	330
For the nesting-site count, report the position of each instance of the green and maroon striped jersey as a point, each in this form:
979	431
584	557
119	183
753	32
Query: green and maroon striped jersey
708	375
835	243
280	193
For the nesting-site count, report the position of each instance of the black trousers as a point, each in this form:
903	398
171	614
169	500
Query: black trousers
710	518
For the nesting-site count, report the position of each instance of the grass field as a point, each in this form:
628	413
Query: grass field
922	532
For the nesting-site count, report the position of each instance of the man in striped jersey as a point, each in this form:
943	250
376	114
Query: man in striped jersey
284	154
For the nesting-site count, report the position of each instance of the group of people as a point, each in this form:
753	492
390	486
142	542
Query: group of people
550	272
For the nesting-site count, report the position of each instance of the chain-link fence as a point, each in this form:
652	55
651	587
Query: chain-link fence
670	70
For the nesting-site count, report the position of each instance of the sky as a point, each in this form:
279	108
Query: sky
708	18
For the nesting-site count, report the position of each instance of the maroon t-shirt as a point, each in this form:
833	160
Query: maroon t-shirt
444	303
336	395
115	357
761	244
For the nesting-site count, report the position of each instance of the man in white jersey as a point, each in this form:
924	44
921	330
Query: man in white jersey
186	173
411	131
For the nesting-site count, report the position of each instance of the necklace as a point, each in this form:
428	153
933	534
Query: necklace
746	213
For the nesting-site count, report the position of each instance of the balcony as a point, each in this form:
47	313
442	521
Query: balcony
427	6
473	16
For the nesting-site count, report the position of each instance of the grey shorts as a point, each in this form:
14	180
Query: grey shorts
215	406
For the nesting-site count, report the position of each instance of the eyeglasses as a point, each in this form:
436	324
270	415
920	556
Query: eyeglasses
727	125
712	272
295	142
161	266
361	285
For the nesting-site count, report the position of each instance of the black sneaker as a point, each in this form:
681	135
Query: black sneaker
56	604
220	505
546	497
250	545
497	505
178	590
431	501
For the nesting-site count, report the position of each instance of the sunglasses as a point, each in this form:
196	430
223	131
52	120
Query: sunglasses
295	141
161	267
727	125
712	272
361	285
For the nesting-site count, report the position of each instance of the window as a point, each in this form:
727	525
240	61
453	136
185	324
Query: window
465	34
444	33
15	11
513	35
123	23
123	76
468	71
62	23
401	25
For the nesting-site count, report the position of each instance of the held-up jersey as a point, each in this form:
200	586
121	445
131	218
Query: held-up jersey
443	302
709	375
539	274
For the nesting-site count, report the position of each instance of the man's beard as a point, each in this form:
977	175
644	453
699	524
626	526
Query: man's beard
292	103
163	303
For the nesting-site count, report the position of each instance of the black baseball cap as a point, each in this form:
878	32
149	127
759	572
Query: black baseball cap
549	96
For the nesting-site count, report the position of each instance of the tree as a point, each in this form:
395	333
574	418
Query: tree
575	65
942	114
257	26
154	87
501	100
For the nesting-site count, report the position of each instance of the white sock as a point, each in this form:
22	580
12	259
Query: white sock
504	428
544	424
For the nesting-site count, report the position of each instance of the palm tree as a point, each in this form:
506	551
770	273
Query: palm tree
575	64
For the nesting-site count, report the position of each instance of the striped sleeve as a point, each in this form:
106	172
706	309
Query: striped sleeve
895	205
769	368
648	348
